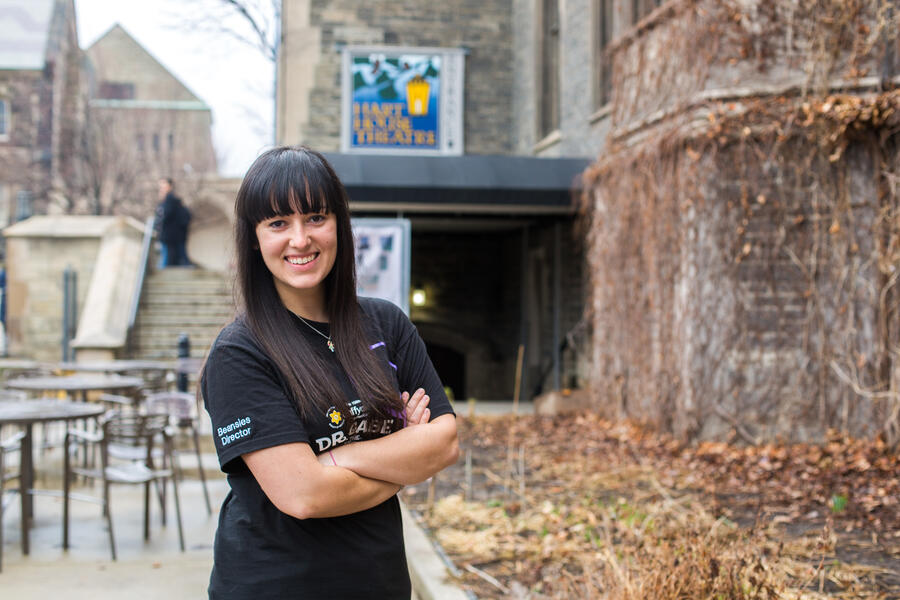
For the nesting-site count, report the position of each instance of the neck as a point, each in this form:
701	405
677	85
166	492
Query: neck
309	304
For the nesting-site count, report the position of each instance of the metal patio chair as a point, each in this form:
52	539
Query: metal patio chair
8	445
184	411
135	436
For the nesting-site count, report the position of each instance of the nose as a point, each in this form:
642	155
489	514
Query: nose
299	238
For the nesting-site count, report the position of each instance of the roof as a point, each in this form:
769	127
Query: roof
118	56
24	29
470	183
150	104
72	226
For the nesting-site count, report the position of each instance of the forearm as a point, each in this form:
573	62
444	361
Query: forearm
347	493
298	485
404	457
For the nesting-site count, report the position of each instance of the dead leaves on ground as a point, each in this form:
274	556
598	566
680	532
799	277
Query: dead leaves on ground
614	511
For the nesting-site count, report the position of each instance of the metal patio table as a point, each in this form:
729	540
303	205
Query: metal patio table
26	413
77	384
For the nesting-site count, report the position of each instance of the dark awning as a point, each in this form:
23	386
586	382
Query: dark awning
463	184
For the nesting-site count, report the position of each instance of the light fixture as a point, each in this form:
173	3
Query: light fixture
418	297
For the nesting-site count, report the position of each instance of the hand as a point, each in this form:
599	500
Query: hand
417	412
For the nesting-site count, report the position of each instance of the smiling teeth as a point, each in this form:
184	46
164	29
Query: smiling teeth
301	261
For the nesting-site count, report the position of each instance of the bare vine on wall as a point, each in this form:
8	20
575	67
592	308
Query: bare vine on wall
745	251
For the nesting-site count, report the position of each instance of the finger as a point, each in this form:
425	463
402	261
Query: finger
412	401
421	407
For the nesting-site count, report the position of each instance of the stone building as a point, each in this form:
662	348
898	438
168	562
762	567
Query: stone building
723	135
40	83
493	251
144	124
744	231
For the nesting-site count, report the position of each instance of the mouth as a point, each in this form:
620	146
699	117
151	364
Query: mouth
301	260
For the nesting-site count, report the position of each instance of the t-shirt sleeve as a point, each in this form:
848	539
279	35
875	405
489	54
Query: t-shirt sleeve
247	405
414	368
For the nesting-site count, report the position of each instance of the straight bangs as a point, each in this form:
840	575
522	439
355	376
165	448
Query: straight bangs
293	184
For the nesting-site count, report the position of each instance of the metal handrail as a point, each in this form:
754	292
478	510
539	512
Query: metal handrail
139	284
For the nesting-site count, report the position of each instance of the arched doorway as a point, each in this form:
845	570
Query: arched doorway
451	367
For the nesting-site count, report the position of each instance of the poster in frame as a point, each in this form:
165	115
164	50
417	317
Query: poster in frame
383	259
402	100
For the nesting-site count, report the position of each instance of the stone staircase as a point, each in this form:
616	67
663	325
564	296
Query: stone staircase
180	300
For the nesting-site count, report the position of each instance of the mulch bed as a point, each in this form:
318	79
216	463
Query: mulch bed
576	506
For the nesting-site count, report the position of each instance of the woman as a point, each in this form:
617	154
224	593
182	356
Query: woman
304	393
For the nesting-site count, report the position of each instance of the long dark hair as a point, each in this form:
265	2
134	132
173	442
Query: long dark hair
280	182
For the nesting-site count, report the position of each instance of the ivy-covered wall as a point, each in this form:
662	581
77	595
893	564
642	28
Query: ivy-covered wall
744	227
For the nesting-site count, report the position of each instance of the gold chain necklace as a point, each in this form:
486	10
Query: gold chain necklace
327	337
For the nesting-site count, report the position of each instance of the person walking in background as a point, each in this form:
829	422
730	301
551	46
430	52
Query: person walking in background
172	221
303	390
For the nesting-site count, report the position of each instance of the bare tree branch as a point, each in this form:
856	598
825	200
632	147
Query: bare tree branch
264	31
251	22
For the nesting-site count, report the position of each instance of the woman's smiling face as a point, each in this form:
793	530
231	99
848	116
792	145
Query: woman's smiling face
299	250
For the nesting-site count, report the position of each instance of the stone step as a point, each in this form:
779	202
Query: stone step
167	353
169	337
151	323
180	300
216	279
158	320
173	274
175	309
184	291
202	315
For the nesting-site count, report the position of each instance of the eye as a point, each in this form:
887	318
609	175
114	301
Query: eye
317	218
275	223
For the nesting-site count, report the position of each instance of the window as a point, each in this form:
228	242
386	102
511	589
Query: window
171	142
4	119
549	68
23	205
642	8
140	142
114	90
603	28
156	143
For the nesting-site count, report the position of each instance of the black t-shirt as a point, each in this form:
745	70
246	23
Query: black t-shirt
260	552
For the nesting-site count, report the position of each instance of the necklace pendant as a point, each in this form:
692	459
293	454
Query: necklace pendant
331	345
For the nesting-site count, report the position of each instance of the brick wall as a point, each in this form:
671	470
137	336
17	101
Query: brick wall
742	295
482	26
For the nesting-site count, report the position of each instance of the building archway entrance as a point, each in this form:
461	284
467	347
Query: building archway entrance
451	365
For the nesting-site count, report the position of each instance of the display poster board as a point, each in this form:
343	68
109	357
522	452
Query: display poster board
402	100
383	259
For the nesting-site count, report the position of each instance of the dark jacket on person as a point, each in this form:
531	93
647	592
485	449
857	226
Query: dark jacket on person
173	219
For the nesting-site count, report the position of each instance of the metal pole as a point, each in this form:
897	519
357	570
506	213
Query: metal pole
184	351
523	333
69	310
557	299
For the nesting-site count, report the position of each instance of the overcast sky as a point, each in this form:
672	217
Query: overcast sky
234	79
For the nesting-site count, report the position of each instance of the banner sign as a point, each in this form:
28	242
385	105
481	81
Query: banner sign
383	259
402	100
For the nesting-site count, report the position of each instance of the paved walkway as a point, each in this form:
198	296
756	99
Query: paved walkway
157	569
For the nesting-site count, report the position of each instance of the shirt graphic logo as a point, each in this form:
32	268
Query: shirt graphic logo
335	418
